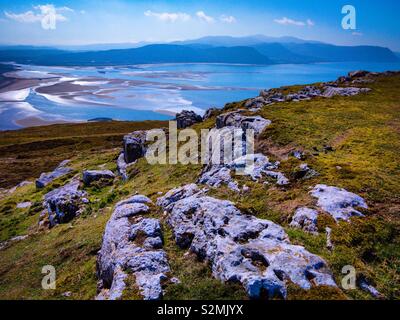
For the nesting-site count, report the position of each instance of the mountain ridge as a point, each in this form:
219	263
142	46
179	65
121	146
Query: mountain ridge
256	49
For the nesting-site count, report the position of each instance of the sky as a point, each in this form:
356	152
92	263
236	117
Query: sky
121	21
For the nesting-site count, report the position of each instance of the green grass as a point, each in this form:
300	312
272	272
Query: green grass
364	132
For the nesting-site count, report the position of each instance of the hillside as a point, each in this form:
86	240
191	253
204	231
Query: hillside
351	142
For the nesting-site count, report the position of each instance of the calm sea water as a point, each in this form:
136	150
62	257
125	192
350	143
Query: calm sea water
155	92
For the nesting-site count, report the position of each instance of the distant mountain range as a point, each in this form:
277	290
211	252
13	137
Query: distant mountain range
256	49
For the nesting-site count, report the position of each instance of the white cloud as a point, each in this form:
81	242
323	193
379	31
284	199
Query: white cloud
26	17
168	16
202	16
227	19
48	15
310	23
287	21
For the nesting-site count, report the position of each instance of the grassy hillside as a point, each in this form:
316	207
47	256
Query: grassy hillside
363	131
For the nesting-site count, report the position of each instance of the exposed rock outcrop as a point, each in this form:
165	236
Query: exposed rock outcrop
6	244
122	166
306	219
237	120
326	90
241	248
132	245
330	92
134	146
63	204
187	118
46	178
211	113
338	202
256	166
304	172
90	176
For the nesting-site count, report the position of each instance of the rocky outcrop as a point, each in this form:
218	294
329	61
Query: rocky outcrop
90	176
330	92
241	248
237	120
46	178
211	113
122	166
134	146
132	245
63	204
325	90
306	219
338	202
187	118
304	172
256	166
253	165
8	243
24	205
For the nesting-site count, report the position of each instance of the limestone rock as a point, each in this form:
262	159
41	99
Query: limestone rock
122	166
46	178
134	146
306	219
346	91
210	113
245	249
132	244
90	176
64	203
24	205
237	120
338	202
187	118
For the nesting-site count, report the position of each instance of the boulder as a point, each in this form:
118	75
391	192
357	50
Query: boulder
330	91
304	172
122	166
134	146
211	113
338	202
132	245
217	175
237	120
241	248
46	178
64	203
187	118
90	176
358	74
306	219
255	166
24	205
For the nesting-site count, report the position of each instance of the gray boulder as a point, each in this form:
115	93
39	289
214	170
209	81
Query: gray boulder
338	202
330	91
242	248
64	203
122	166
134	146
211	113
187	118
90	176
237	120
46	178
132	245
358	74
306	219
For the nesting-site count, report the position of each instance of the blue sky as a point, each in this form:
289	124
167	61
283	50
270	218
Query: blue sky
113	21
